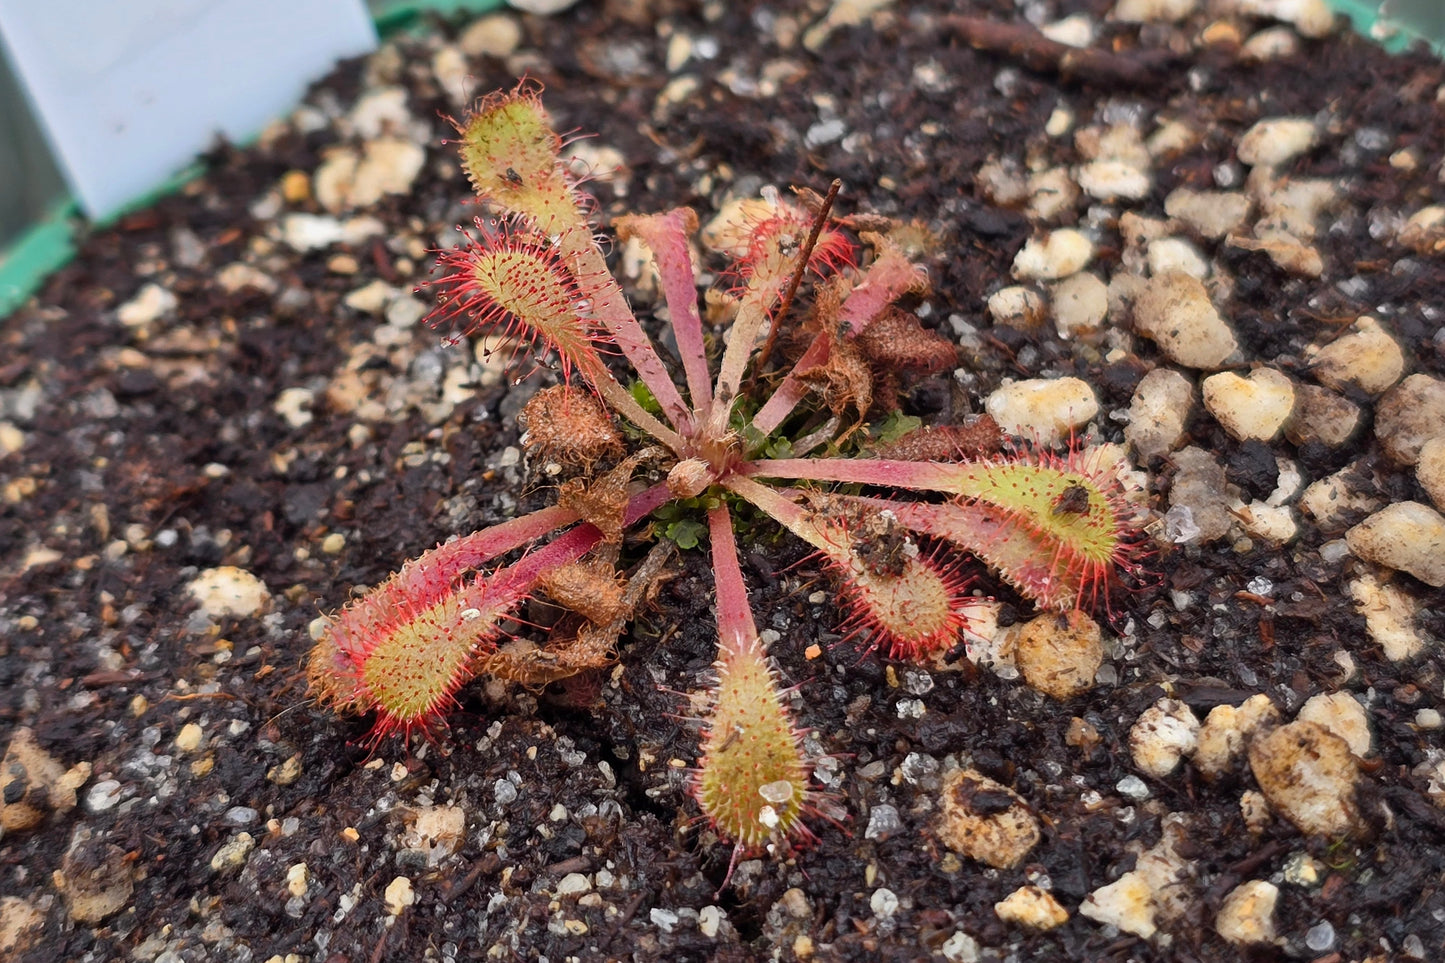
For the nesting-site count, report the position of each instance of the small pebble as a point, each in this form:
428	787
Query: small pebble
103	795
1210	214
287	772
449	66
883	821
189	738
1430	469
1201	487
996	837
1172	137
883	903
1059	654
1127	903
1406	536
1273	523
96	879
1365	357
388	165
233	852
1247	915
294	406
1054	256
961	948
1031	908
795	903
1295	205
1162	736
307	232
1255	407
1045	409
229	591
436	831
380	110
1154	11
1425	230
572	884
1308	775
495	35
21	924
399	895
1002	182
1302	869
241	816
1158	412
1321	937
1322	416
1410	414
1175	312
149	304
405	311
542	8
1275	141
824	132
1051	192
1255	811
1132	787
1110	180
1168	254
1338	500
331	184
1080	303
371	298
33	783
238	276
1061	119
1227	730
12	439
297	880
1312	18
1016	306
1287	251
709	920
1342	714
1076	30
1271	43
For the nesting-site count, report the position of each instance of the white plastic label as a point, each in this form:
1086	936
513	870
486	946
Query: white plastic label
129	91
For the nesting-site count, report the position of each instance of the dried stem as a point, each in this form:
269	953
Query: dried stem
820	219
1024	43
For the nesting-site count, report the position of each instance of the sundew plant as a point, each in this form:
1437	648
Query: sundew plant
736	431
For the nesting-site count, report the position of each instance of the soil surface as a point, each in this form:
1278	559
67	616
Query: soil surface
290	423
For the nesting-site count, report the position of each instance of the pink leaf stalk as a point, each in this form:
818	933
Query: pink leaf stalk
752	780
915	604
766	253
514	159
1056	528
666	236
406	647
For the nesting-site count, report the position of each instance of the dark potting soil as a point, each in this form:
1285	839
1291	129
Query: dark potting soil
277	423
